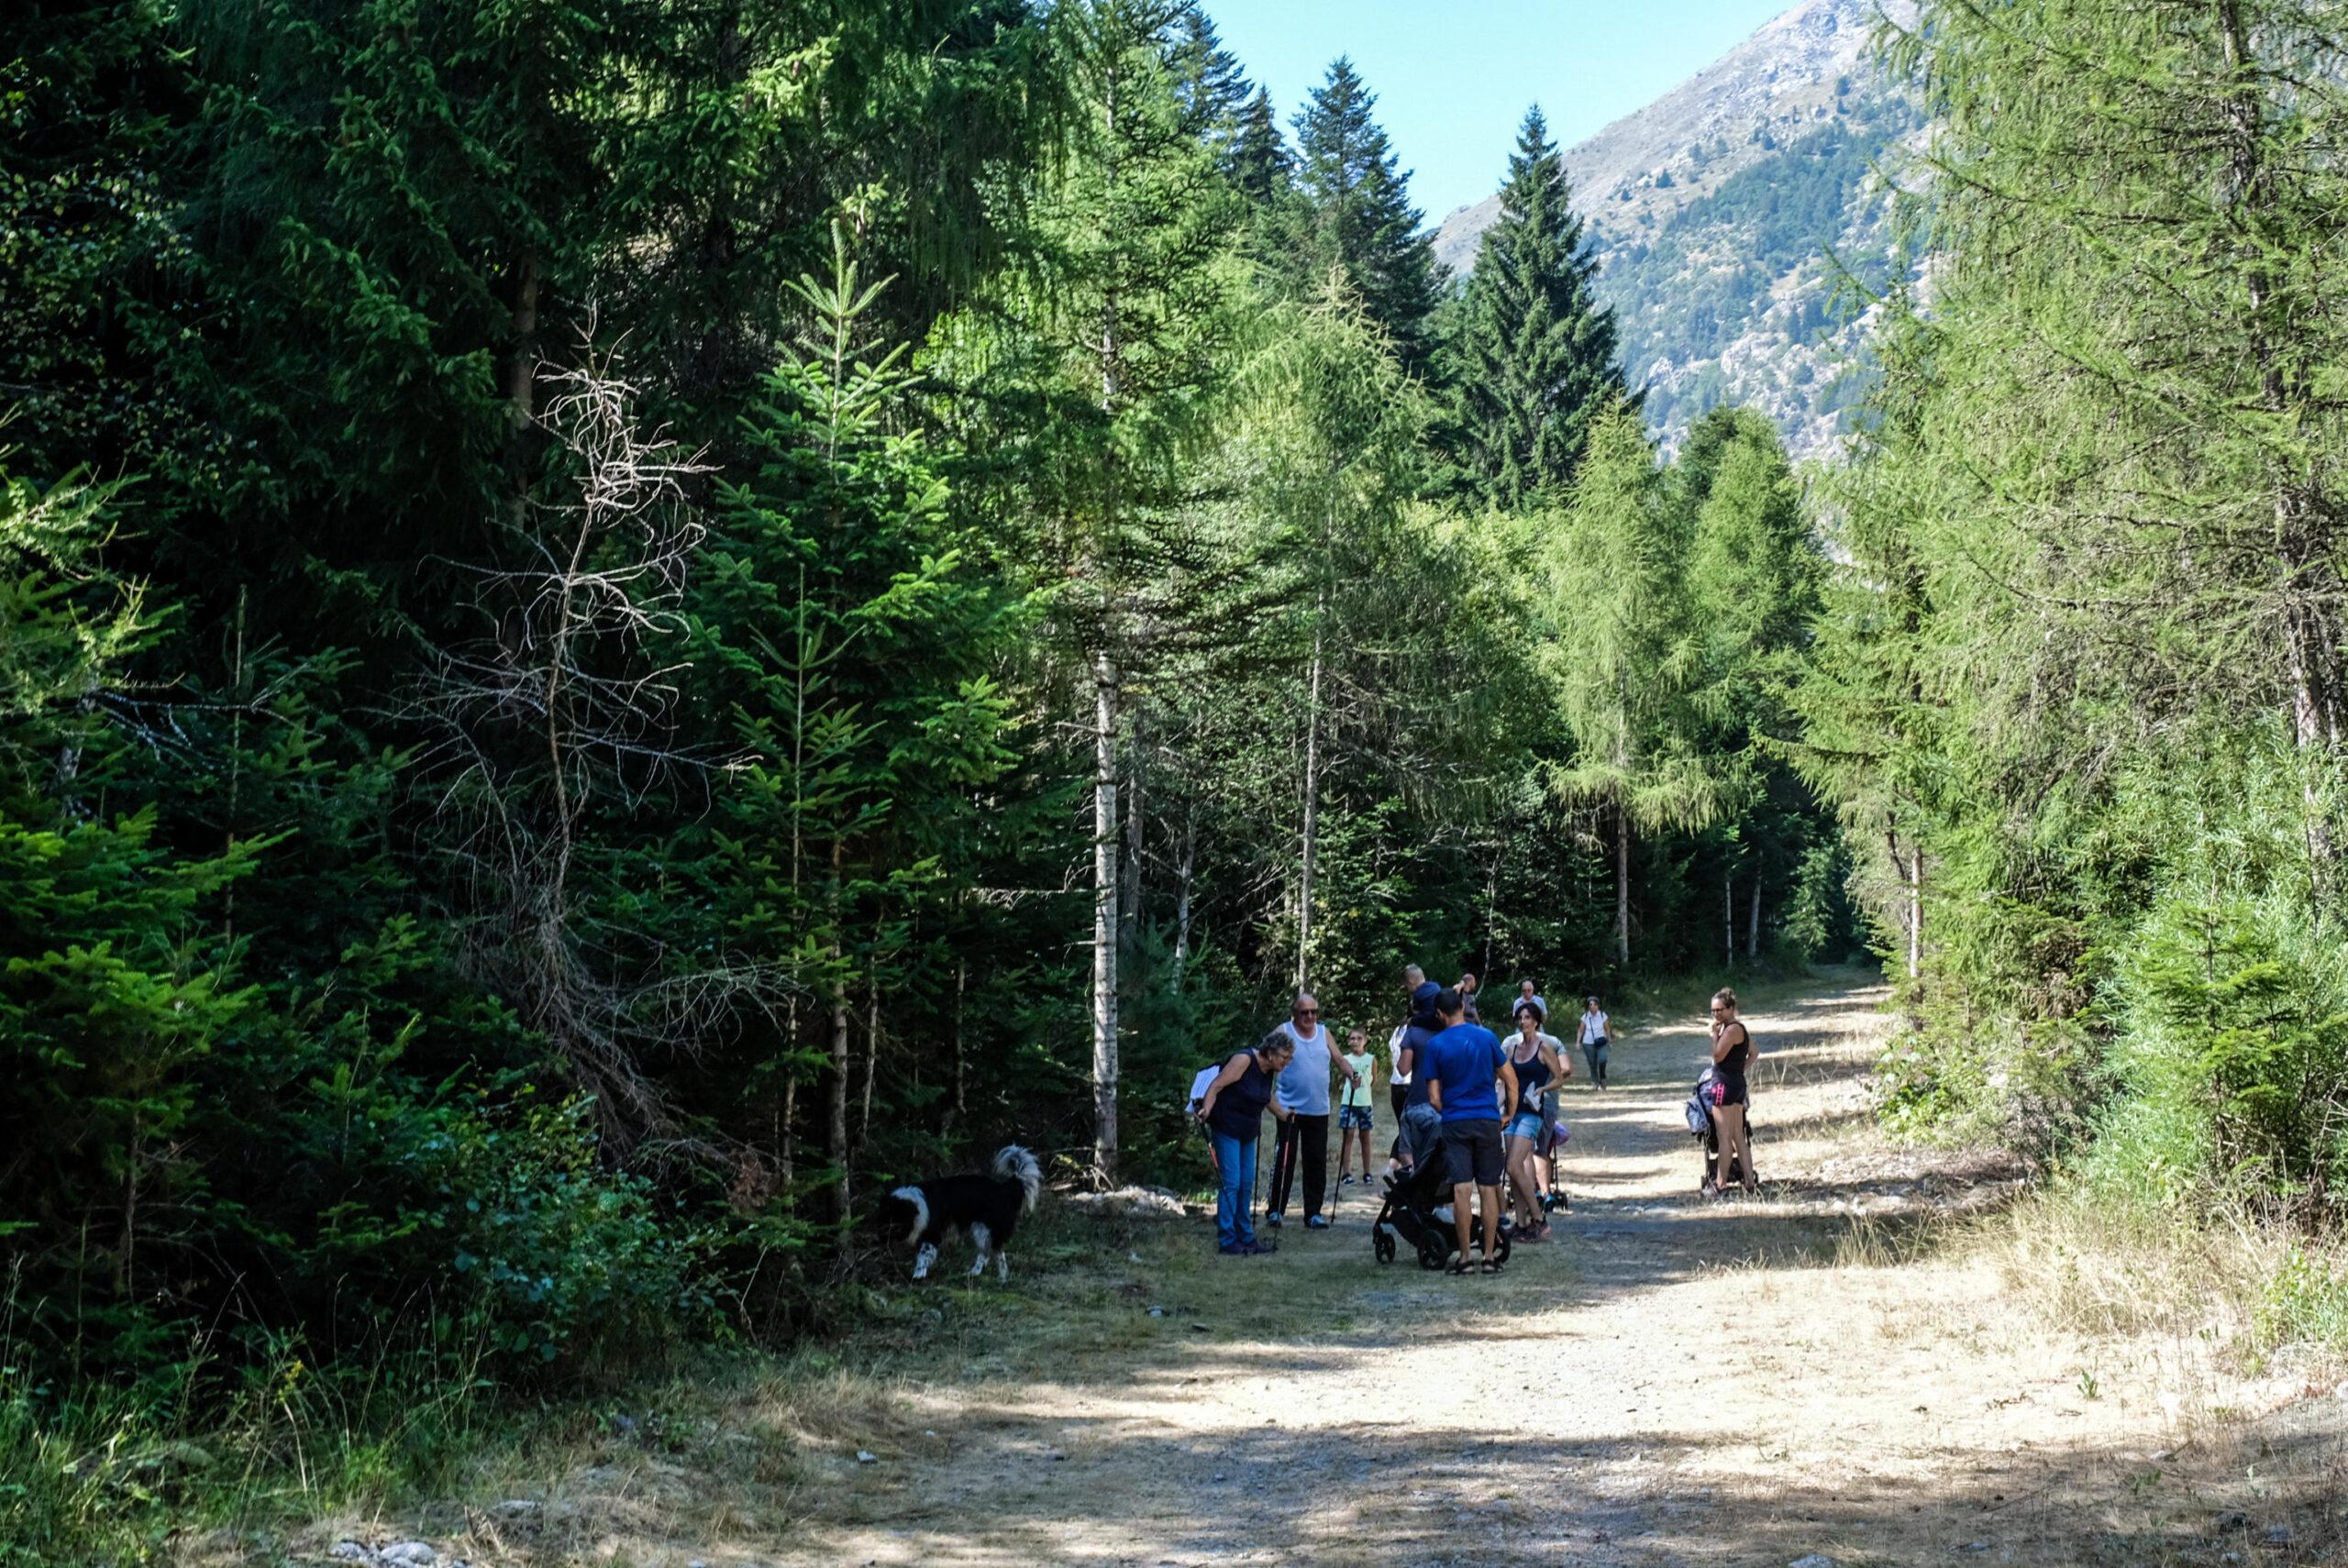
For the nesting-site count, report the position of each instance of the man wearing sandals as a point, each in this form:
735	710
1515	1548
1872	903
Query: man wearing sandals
1468	1079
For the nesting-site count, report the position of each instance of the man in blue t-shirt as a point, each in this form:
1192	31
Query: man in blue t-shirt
1470	1078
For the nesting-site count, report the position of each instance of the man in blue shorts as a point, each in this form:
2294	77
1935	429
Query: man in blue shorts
1469	1079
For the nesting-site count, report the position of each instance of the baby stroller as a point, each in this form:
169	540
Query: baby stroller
1708	1137
1418	1211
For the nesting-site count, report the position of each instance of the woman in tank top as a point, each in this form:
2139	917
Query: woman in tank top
1535	1057
1234	1113
1731	1051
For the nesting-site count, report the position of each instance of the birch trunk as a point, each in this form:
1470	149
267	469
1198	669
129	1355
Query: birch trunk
1752	921
1728	916
1104	917
1915	910
1182	897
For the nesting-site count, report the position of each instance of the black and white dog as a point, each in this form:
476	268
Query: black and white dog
987	1206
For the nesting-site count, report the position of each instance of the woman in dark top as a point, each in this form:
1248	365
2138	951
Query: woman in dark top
1732	1051
1234	1112
1535	1056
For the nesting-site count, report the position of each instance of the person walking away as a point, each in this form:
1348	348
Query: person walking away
1353	1109
1532	1057
1419	1126
1466	988
1234	1113
1594	1027
1464	1062
1731	1051
1304	1135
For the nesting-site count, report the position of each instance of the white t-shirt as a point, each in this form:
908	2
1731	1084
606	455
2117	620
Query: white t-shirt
1394	1054
1593	1028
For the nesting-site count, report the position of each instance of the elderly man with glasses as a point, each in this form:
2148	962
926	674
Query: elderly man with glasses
1303	1092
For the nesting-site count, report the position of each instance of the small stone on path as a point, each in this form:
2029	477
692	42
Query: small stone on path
1814	1560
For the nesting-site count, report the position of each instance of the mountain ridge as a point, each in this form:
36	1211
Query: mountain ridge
1713	211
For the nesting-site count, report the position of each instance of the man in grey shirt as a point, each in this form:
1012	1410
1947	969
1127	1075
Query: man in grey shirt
1303	1137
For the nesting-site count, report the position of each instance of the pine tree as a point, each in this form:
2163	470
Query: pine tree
1360	216
1537	351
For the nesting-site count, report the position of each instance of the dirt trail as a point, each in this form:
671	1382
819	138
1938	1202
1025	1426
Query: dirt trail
1669	1382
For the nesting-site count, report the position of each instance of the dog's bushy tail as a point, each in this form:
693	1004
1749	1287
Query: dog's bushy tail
1012	1163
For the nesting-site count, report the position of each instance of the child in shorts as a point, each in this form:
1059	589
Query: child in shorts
1353	1110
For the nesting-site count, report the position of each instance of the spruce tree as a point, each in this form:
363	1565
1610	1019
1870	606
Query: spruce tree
1209	85
1537	351
1361	218
1259	162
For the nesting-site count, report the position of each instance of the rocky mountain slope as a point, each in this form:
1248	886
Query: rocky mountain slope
1715	211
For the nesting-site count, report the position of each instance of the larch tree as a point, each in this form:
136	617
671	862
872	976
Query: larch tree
1112	351
1626	655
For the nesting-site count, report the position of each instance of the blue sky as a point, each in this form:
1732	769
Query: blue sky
1453	77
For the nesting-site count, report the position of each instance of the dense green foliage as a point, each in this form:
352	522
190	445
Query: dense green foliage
2078	691
620	624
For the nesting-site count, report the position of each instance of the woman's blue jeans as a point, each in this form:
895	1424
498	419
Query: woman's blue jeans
1234	1167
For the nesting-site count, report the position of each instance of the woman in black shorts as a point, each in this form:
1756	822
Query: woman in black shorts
1732	1050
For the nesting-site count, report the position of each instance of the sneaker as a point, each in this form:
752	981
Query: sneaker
1261	1248
1343	1182
1236	1250
1316	1222
1273	1220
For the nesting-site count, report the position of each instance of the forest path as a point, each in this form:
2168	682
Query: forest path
1669	1382
1776	1381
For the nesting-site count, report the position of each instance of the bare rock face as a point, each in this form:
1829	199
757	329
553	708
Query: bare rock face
1713	211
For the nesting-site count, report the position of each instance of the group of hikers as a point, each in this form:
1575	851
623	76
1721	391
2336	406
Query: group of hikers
1486	1108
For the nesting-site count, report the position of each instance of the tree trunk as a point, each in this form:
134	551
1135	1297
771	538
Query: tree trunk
1104	919
1129	890
2308	641
1752	921
1623	887
1915	909
1311	803
871	1063
1182	896
836	1140
1728	916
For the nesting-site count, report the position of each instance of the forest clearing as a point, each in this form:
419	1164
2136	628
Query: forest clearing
1909	1385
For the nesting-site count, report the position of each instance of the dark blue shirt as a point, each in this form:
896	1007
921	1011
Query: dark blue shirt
1467	1058
1414	1040
1239	1109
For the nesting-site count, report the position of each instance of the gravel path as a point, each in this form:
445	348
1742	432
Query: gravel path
1670	1382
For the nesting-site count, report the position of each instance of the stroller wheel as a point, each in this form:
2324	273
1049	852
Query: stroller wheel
1381	1244
1500	1257
1432	1254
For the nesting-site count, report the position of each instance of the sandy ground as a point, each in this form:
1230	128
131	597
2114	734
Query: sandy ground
1670	1381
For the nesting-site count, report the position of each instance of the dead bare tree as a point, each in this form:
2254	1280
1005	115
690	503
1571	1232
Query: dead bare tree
564	710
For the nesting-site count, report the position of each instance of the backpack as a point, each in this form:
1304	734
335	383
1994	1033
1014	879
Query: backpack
1200	1084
